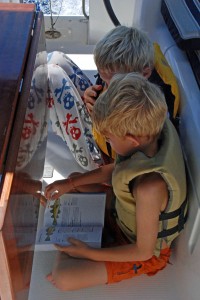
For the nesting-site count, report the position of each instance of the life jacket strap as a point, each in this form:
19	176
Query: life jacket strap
181	220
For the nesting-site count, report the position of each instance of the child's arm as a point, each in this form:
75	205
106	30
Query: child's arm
151	197
99	175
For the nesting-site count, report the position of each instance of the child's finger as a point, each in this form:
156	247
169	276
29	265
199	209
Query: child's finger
54	194
43	200
49	190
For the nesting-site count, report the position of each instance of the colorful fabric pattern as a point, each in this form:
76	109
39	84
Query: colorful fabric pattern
35	126
68	114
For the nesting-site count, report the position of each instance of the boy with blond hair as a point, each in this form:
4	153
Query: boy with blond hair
149	184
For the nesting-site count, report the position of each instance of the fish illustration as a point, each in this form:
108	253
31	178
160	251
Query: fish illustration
55	210
49	232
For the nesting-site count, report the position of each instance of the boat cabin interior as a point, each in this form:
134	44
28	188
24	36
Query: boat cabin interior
32	155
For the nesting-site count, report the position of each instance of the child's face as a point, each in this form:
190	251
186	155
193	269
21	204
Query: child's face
121	145
106	76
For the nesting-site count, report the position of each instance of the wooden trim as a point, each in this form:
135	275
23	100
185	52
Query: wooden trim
6	288
17	22
17	7
5	196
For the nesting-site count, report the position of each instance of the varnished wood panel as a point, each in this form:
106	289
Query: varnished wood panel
16	26
22	158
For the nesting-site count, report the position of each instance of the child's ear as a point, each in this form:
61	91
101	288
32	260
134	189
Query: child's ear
133	140
147	72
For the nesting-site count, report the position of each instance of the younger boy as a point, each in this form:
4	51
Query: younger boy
148	181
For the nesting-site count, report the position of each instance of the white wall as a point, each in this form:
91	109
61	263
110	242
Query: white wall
73	29
99	21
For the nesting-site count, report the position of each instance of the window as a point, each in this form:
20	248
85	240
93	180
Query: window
61	7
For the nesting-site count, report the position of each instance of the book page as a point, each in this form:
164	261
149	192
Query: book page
59	235
72	215
76	210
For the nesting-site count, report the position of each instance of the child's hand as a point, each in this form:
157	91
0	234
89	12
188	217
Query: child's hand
90	96
77	248
57	188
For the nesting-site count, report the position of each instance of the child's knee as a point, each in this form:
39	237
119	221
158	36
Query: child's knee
55	71
55	57
62	279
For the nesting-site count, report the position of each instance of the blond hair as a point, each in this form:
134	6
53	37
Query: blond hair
130	105
123	50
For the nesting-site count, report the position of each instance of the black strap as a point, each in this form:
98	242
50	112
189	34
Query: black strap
109	149
99	81
173	214
173	230
181	220
166	89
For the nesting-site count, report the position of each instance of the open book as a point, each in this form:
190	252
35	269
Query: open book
72	215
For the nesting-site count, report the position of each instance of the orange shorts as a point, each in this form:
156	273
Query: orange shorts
118	271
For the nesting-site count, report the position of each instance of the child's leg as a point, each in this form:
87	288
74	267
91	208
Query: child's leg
73	274
71	120
79	79
36	119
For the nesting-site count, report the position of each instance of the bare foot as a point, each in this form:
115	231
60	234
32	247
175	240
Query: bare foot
49	277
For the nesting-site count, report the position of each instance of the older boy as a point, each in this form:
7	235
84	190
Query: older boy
148	181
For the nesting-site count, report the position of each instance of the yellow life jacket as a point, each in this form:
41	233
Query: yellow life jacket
165	72
103	145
